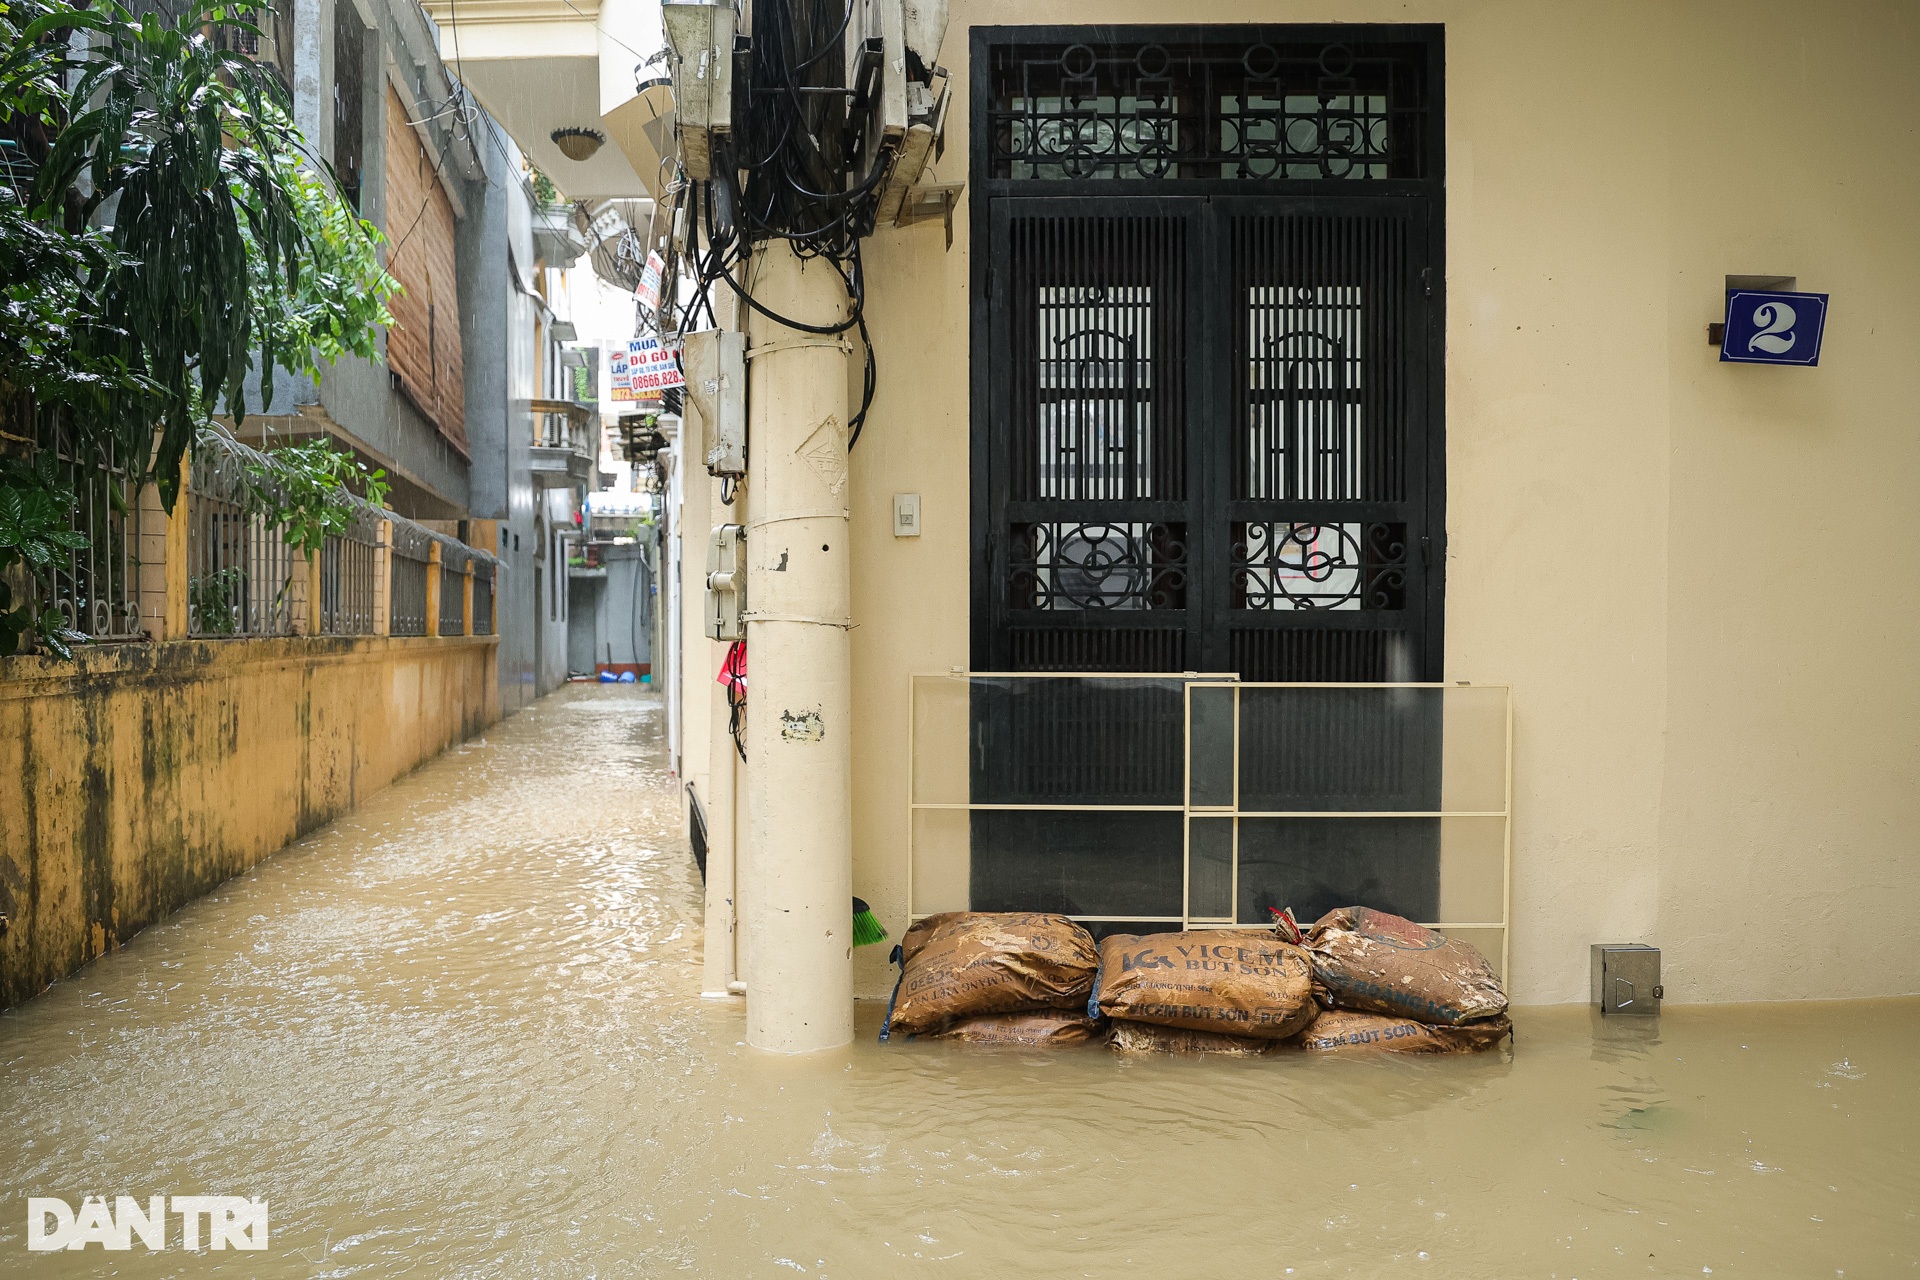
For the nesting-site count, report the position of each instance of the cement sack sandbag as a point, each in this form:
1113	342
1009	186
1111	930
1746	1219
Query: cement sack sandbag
1345	1031
961	964
1378	963
1047	1029
1147	1037
1241	983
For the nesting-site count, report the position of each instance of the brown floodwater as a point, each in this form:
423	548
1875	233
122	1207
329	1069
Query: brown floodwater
459	1033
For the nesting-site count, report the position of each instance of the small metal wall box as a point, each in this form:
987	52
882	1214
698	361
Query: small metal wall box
1626	978
715	361
701	39
727	583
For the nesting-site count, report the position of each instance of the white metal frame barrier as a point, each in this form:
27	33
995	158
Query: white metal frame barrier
1190	810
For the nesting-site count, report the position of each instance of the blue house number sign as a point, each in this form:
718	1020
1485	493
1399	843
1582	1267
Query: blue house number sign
1773	328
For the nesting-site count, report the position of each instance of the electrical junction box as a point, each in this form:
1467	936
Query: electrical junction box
727	583
1626	978
701	39
715	364
906	515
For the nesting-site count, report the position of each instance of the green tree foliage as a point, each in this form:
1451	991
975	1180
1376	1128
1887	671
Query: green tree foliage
338	305
55	348
177	140
175	238
36	529
304	488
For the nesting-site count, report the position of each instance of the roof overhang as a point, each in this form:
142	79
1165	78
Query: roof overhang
542	65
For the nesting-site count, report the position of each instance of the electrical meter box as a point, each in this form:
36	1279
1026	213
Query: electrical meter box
1626	978
701	37
727	583
715	364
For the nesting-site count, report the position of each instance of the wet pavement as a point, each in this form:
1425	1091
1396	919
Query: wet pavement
459	1033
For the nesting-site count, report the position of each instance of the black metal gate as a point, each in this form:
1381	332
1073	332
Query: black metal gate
1206	335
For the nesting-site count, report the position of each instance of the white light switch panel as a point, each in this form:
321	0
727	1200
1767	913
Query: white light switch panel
906	515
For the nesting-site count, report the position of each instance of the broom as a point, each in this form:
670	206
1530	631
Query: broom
867	928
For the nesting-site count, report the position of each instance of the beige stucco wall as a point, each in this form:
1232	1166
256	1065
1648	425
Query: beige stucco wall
1698	578
139	776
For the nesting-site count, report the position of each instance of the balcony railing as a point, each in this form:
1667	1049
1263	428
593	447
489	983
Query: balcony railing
565	445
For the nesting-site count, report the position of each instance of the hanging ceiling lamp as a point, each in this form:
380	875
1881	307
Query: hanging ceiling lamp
576	143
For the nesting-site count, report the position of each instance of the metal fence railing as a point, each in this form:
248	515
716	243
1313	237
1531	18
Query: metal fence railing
407	579
1168	802
454	559
347	578
483	567
242	577
95	588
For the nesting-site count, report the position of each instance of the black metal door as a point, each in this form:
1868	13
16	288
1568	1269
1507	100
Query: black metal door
1206	347
1095	322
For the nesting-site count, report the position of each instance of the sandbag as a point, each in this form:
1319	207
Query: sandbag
1378	963
1240	983
1148	1037
960	964
1345	1031
1047	1029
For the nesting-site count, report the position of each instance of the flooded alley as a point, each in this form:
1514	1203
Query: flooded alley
458	1032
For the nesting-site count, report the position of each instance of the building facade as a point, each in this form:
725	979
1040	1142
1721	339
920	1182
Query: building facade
1387	344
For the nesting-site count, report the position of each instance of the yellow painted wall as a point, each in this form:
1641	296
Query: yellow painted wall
140	776
1699	578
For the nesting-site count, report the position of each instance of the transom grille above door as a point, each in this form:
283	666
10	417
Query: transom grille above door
1206	363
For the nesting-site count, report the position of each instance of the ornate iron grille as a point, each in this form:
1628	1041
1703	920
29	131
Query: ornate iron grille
407	593
1207	437
1091	557
1207	350
482	596
1334	454
347	564
1094	367
1303	392
453	577
96	588
242	577
1265	108
1098	566
1289	565
1097	336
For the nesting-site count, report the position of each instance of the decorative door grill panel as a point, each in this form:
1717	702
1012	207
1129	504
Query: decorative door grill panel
1094	420
1098	566
1248	452
1207	350
1207	438
1189	105
1096	355
1293	565
1323	405
1093	537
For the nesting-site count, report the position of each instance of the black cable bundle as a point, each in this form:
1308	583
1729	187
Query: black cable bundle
786	177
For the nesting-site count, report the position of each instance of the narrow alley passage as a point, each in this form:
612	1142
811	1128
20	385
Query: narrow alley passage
458	1033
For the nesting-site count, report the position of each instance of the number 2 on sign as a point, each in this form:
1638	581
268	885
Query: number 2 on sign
1775	321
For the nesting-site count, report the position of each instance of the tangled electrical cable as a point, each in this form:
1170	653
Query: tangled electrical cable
783	177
